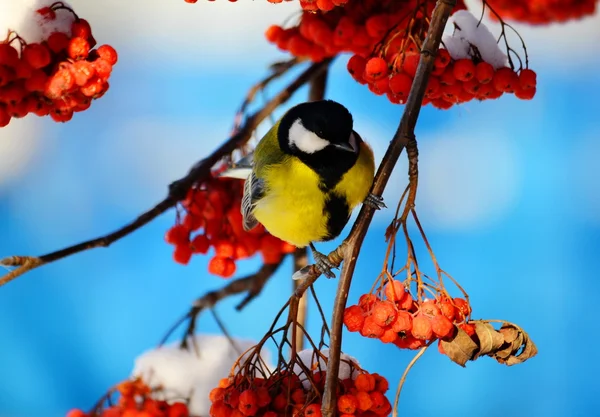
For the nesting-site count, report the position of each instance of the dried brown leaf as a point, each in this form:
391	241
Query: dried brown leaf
515	340
461	348
490	340
529	351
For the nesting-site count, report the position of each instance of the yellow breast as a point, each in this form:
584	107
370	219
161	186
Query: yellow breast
292	210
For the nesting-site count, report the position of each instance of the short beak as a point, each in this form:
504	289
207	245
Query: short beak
344	147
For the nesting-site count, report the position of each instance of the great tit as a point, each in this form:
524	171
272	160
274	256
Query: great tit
306	175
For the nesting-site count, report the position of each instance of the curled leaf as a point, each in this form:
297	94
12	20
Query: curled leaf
461	348
490	340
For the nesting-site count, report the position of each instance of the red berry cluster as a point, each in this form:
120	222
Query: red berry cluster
56	77
358	28
451	82
135	401
540	12
283	394
213	215
400	319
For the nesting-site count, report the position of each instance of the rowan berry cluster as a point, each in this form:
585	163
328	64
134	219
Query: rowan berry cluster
540	12
213	219
396	317
58	76
135	400
284	394
358	28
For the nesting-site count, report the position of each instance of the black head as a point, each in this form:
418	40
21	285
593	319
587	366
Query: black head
320	133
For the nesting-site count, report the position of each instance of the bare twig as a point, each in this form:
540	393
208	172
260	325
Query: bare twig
403	378
252	285
177	190
351	246
300	261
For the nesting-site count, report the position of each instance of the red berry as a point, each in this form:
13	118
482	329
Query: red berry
346	404
248	404
400	85
506	80
375	69
313	410
78	48
384	313
463	309
371	329
8	55
58	41
177	235
410	64
107	53
464	69
81	28
403	322
421	327
442	327
354	318
178	410
442	59
83	71
484	72
182	254
527	79
273	33
394	291
356	67
526	94
200	244
60	83
224	267
37	55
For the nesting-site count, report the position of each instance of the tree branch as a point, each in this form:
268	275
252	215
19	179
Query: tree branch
177	190
351	247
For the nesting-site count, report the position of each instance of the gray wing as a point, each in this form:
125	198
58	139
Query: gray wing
254	189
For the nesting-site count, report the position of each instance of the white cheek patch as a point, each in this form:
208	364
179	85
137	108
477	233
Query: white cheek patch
305	140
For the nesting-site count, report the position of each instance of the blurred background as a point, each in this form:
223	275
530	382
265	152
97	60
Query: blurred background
509	196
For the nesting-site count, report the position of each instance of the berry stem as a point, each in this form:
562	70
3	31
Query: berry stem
405	374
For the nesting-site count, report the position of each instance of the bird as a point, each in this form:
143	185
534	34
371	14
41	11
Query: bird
305	177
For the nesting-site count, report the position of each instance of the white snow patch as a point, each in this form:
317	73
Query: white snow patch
311	360
466	31
182	374
22	17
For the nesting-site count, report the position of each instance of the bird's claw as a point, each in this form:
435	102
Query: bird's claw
323	264
375	201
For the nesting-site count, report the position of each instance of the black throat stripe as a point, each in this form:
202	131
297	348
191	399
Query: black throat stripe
338	213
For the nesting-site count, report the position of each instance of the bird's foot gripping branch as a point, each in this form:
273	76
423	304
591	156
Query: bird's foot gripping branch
398	50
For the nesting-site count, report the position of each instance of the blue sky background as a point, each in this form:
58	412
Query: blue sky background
509	198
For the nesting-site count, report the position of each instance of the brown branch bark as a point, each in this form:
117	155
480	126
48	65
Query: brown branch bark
177	190
351	247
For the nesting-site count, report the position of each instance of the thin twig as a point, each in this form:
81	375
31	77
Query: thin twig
403	378
177	190
351	247
252	285
300	261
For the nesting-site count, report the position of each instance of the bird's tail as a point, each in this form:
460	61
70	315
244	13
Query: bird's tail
241	169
